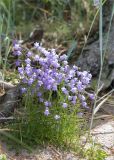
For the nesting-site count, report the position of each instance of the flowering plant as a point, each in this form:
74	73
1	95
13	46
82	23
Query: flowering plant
44	73
52	87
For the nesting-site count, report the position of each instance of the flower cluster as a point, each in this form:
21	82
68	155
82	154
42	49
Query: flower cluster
46	72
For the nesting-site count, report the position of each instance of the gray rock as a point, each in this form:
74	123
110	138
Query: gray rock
90	59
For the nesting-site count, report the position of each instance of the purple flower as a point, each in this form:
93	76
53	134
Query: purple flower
65	105
73	90
80	86
46	103
65	62
89	76
23	90
41	99
54	88
28	70
66	68
16	47
82	97
24	80
29	54
40	83
62	69
71	73
72	82
75	79
55	64
17	63
73	102
17	53
28	61
34	76
46	112
74	98
79	73
63	57
75	67
36	57
84	104
21	70
30	81
91	96
49	87
39	94
69	98
85	80
64	90
84	74
36	45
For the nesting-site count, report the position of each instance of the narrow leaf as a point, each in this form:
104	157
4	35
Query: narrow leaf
100	104
72	49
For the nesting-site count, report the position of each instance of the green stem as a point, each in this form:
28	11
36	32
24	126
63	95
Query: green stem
101	55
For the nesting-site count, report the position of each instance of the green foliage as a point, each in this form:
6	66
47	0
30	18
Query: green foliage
5	28
35	128
7	11
72	49
3	157
95	153
21	11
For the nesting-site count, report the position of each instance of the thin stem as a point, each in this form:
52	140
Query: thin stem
91	27
101	55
